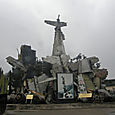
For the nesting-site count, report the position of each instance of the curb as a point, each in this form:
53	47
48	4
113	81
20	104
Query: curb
36	107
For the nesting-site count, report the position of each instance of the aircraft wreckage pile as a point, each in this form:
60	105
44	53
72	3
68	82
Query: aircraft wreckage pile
56	78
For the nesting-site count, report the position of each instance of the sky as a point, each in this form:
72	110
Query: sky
90	28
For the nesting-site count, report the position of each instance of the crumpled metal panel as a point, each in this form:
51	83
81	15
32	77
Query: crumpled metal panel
41	86
85	66
52	59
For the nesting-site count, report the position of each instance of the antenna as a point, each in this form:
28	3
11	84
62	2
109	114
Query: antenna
58	16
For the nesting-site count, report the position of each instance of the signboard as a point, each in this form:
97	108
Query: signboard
65	87
29	96
85	95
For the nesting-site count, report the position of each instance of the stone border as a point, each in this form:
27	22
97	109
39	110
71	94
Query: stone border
35	107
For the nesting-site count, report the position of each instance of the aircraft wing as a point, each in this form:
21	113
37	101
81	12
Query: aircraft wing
62	24
15	63
48	79
53	23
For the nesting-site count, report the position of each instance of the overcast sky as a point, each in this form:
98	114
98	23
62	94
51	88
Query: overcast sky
90	30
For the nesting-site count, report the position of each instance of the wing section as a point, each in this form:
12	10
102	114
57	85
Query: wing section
53	23
61	24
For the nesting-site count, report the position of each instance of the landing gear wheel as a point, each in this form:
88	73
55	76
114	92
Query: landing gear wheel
49	99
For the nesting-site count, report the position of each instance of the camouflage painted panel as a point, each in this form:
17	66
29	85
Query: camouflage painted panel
3	85
89	84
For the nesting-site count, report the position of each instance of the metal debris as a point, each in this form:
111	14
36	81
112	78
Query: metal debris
58	78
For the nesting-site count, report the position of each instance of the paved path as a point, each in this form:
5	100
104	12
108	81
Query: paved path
24	107
61	109
101	111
